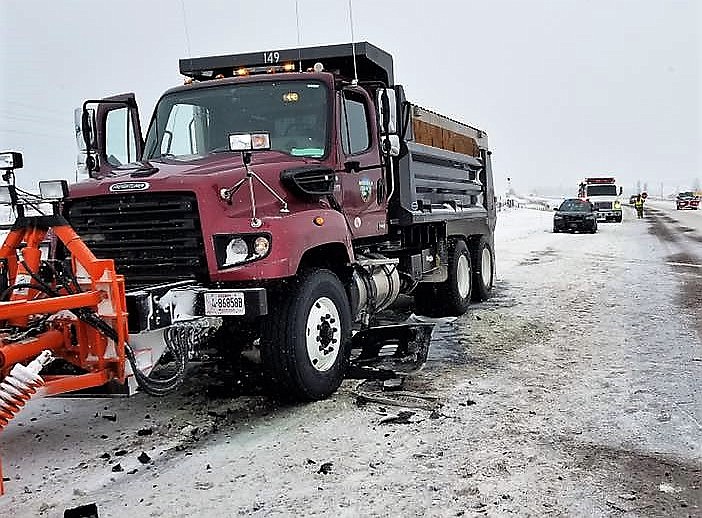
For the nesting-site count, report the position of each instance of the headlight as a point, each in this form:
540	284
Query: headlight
617	205
236	252
557	216
261	246
10	160
235	249
53	190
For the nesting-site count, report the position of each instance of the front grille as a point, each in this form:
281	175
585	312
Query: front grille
152	237
603	205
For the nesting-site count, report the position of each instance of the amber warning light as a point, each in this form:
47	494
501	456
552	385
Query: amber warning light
271	69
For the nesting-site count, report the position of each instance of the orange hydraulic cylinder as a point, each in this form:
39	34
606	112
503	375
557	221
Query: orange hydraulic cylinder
61	384
22	308
27	349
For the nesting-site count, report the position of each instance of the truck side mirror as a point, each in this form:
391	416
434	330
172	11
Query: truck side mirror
387	111
87	126
621	190
86	137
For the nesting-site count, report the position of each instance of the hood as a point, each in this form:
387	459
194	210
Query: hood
171	174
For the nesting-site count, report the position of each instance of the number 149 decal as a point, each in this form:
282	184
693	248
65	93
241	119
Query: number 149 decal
271	57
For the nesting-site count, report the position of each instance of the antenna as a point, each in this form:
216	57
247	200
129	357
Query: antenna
353	45
297	21
185	26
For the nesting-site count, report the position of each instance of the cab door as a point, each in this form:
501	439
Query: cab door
110	134
362	180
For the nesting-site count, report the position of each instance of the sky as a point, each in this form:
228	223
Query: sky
564	88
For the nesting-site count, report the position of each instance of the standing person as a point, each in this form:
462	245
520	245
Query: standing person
638	205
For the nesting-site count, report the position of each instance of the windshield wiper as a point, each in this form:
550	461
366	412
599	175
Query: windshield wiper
222	149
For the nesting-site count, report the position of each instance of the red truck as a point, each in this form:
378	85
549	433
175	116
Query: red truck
287	196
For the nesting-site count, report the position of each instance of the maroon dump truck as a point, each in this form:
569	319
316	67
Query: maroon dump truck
285	198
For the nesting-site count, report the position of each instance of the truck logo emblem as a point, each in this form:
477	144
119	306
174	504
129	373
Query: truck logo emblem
365	186
129	186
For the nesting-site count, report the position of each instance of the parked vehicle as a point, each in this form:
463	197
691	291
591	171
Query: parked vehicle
604	195
687	200
292	194
573	215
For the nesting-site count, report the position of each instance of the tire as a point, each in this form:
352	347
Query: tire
555	230
312	314
452	297
483	259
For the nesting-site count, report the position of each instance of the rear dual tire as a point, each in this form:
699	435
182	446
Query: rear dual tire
470	277
483	270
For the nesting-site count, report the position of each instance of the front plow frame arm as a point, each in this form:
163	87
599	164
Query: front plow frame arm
98	292
83	322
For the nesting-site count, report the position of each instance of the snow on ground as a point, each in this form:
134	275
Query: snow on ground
572	392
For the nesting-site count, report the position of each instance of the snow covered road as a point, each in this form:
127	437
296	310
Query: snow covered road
574	391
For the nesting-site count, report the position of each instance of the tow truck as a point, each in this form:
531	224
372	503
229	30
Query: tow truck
279	202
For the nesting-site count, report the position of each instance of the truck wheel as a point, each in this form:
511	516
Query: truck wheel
483	270
452	297
305	341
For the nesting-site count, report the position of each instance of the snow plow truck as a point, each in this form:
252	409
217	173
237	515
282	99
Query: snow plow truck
278	202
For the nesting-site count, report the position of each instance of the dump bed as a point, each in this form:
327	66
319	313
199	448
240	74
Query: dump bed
446	173
436	130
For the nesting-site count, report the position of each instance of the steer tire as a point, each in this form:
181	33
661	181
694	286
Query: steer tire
451	297
311	313
483	270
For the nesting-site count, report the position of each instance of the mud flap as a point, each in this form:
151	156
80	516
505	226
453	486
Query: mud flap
386	352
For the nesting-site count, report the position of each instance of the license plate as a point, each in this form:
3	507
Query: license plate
224	303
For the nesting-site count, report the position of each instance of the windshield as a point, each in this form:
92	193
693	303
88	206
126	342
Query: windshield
602	190
192	123
575	206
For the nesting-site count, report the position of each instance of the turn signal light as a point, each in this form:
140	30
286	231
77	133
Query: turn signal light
319	221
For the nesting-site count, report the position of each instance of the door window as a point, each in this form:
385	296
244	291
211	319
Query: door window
120	141
355	134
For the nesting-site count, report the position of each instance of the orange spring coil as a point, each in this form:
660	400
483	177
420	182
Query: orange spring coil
19	386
